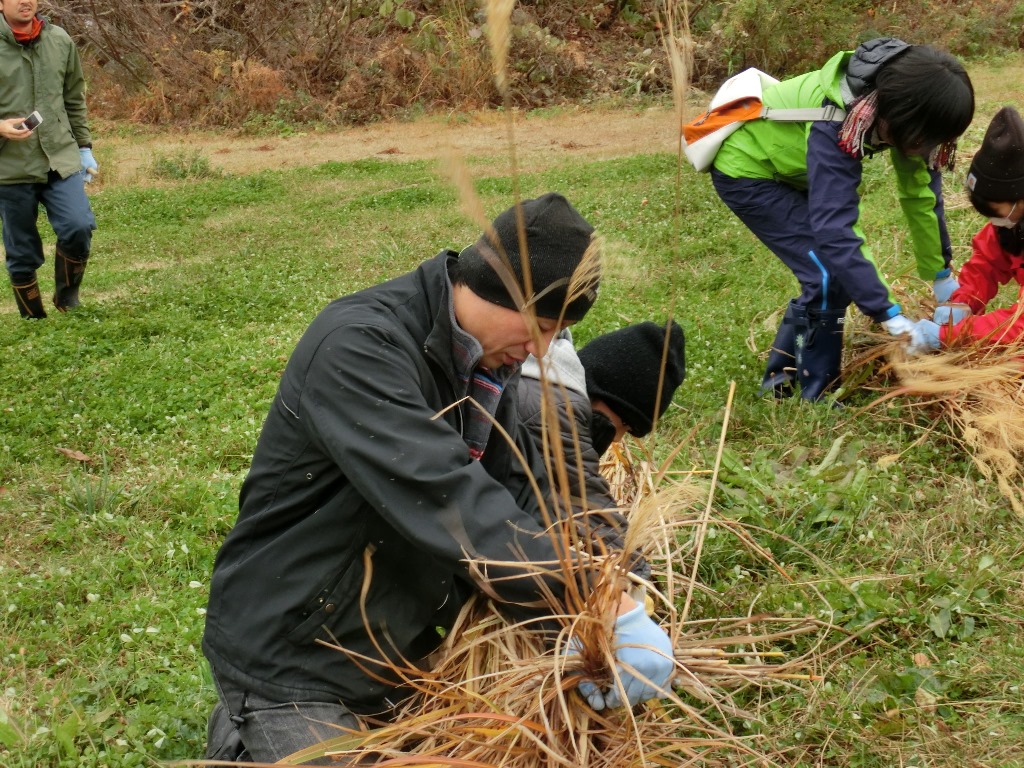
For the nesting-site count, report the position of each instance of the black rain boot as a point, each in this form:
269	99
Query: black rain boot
780	370
28	298
67	273
819	353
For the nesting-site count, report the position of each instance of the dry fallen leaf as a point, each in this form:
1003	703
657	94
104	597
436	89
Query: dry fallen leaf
71	453
888	461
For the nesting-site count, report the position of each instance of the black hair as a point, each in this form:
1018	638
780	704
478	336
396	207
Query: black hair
1010	239
925	97
983	206
455	272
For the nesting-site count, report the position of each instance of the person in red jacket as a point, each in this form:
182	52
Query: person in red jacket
996	186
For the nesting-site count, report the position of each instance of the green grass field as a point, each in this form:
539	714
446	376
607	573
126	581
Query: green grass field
126	429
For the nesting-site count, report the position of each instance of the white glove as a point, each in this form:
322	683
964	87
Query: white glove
920	337
899	325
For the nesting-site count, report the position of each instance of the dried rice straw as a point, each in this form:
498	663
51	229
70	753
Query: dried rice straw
497	695
979	390
976	387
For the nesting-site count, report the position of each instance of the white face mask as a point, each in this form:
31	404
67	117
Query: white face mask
1007	221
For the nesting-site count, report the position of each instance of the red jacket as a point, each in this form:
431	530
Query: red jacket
980	278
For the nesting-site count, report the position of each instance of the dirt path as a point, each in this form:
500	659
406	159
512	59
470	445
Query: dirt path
539	141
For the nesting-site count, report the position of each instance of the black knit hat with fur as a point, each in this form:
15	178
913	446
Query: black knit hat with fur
997	170
623	369
557	237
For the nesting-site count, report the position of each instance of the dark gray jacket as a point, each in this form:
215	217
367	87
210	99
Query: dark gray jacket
586	489
355	486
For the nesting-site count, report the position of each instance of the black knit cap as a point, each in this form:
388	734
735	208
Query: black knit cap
557	237
623	369
997	170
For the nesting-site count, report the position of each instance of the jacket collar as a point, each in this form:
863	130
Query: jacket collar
438	290
447	343
7	34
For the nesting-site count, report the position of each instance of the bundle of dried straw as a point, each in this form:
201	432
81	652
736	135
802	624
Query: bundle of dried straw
498	695
975	385
978	388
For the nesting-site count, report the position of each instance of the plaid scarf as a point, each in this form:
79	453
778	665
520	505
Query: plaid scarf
943	157
481	387
858	122
485	389
862	115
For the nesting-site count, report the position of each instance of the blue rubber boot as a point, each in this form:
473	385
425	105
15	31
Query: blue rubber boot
780	370
819	353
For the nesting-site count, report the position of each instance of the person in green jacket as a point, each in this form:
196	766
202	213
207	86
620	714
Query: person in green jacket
48	164
795	185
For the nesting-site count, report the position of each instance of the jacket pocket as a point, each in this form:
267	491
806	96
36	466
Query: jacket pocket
329	607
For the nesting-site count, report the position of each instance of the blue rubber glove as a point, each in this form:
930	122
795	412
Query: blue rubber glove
921	336
644	660
943	288
951	314
924	338
89	164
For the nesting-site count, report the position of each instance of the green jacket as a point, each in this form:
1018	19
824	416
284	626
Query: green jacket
45	76
807	156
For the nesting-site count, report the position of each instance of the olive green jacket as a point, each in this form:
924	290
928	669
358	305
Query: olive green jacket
45	75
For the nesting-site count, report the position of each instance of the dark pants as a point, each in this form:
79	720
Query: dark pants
812	329
271	730
780	218
67	208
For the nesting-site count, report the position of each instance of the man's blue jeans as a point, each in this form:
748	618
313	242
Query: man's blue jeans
67	208
272	730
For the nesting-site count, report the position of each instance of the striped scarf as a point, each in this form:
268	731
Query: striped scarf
481	387
484	388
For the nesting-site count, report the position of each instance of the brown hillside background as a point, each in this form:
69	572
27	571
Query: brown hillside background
263	66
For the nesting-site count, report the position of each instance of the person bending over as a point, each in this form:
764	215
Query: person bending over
381	487
796	187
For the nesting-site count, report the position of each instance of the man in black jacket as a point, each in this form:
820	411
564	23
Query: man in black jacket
381	494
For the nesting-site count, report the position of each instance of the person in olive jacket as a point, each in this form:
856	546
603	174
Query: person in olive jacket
48	164
382	493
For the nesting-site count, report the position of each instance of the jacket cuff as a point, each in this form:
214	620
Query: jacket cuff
888	314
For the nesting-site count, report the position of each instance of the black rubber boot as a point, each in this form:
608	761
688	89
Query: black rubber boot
28	298
67	274
780	370
819	353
